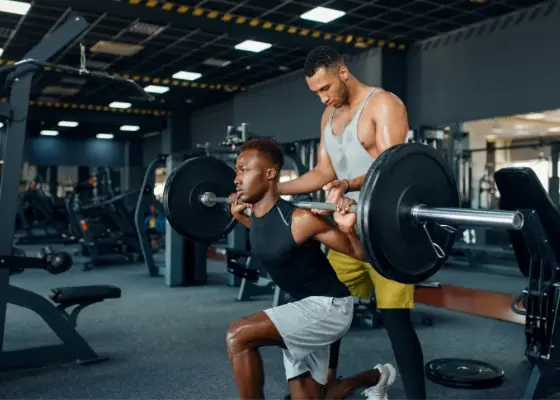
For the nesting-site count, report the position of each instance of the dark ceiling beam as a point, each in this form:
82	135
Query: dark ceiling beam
93	117
205	23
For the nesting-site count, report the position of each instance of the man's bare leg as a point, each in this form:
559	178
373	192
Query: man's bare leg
338	389
244	337
304	387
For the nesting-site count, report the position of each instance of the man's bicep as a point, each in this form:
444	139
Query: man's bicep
391	122
333	238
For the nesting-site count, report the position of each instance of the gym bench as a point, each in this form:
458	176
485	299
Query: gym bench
74	347
81	297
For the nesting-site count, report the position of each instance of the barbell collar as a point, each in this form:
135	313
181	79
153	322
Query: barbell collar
209	199
510	220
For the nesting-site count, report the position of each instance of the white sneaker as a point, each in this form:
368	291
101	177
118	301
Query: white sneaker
387	378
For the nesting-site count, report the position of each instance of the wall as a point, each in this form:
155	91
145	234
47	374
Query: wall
58	151
502	67
210	125
283	107
151	147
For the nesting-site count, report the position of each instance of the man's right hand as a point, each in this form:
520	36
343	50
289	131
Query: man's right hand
237	207
335	194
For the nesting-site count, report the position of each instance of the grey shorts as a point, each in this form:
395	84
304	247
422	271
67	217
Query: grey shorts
308	327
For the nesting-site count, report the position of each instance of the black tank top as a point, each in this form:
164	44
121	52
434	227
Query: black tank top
300	270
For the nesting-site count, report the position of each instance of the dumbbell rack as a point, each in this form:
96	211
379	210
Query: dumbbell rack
542	300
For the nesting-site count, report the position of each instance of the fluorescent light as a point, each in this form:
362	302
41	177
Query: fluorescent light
156	89
118	104
1	124
14	7
253	45
186	75
554	129
216	62
491	137
68	124
49	133
104	136
130	128
497	130
322	14
535	116
520	126
1	51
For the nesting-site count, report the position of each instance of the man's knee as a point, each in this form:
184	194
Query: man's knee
236	338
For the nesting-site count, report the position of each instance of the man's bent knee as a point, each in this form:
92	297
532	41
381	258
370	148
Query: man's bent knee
235	340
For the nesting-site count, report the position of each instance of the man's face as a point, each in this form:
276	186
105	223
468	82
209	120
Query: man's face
330	85
253	176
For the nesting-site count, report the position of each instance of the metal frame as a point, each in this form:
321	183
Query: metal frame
74	346
145	198
541	303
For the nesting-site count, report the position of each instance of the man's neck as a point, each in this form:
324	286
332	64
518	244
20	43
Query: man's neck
263	206
356	90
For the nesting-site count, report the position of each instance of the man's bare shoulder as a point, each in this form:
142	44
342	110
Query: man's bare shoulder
382	97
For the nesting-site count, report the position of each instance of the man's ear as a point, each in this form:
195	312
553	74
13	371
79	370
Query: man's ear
271	173
343	72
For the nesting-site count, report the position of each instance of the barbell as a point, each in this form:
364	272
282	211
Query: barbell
408	213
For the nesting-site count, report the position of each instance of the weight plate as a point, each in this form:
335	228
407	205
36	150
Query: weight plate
403	176
181	199
464	373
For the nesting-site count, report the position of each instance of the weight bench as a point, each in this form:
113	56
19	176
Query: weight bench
81	297
74	347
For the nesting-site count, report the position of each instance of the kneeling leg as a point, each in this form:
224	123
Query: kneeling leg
244	337
304	387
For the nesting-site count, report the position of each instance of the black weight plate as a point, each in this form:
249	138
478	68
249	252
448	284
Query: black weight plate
181	199
401	177
464	373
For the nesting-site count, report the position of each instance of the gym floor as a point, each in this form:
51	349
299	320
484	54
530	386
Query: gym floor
169	343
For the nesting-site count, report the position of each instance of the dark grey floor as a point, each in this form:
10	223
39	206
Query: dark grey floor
169	343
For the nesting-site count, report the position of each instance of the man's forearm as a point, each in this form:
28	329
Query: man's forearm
355	184
309	182
355	248
244	219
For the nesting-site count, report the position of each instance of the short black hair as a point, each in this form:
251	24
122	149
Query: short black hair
269	147
321	57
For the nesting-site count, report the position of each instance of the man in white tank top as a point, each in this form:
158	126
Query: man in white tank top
359	123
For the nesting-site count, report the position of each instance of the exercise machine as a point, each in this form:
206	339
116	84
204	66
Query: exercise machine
147	198
537	250
14	113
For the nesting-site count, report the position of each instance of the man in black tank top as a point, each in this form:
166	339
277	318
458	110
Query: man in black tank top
287	241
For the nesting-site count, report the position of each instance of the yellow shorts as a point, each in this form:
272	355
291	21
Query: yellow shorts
361	278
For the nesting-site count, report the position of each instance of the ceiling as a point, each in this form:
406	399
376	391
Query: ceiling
522	126
151	40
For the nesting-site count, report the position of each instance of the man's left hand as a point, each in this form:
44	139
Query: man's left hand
343	216
335	193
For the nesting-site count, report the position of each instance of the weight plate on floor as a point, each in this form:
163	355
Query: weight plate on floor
181	199
464	373
401	177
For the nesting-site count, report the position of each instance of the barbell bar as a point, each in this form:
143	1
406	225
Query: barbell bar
407	211
511	220
210	199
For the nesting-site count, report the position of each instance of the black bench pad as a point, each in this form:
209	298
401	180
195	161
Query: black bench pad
80	294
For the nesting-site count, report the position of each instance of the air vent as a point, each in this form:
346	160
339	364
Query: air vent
215	62
97	65
116	48
60	90
47	98
145	28
73	81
